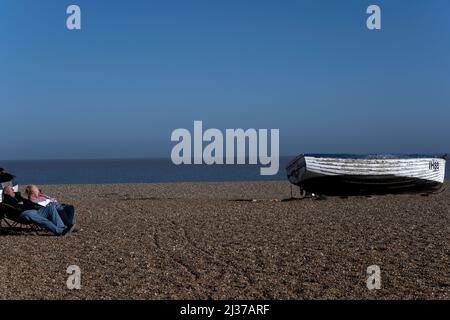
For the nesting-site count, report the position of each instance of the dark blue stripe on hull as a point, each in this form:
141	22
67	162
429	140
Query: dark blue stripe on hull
367	185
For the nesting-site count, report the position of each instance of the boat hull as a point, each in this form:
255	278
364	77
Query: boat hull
365	176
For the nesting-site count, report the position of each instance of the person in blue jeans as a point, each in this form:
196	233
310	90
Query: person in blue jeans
66	212
47	218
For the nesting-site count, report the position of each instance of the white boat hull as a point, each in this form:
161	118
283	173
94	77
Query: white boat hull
346	175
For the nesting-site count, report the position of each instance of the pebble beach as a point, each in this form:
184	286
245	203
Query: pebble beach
244	240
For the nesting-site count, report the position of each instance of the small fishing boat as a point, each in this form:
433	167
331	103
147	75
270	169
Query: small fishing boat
324	174
7	179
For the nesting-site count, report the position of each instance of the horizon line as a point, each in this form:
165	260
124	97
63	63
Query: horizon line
112	158
168	158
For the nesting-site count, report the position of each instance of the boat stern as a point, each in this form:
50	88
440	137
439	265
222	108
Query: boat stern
296	169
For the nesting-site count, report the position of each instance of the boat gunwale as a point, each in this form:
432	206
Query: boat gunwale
379	156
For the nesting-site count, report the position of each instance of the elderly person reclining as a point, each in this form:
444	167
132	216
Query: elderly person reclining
66	212
46	217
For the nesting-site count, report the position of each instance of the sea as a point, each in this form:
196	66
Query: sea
134	171
131	171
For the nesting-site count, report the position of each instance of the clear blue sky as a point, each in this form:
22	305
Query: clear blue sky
140	69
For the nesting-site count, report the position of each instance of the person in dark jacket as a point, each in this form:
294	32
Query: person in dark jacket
47	218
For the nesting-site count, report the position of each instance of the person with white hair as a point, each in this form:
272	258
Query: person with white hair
45	217
66	212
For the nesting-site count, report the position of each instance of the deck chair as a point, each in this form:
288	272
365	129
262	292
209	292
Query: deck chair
10	219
